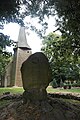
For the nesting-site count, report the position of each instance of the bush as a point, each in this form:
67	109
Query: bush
61	83
76	84
54	84
50	84
67	86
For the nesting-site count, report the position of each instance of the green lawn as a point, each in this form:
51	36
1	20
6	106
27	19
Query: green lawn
49	90
11	90
73	90
20	90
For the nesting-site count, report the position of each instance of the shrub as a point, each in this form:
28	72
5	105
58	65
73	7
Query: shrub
54	84
61	83
50	84
76	84
67	85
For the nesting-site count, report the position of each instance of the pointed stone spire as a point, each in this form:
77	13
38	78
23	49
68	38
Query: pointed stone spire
22	41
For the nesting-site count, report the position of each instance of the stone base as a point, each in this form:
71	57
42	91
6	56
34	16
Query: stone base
35	94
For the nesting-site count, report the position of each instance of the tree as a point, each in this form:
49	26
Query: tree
67	12
10	11
69	23
4	55
61	58
67	20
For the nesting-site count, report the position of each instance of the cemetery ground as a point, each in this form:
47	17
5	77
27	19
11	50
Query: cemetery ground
11	103
56	92
16	90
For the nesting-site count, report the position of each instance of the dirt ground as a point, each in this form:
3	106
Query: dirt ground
51	109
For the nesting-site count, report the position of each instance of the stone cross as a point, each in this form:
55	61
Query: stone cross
36	76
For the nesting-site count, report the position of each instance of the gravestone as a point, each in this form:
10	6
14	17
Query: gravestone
36	76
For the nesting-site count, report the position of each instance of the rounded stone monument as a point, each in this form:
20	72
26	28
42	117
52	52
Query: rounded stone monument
36	76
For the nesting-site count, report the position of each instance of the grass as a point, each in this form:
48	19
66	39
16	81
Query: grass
73	90
4	103
11	90
49	90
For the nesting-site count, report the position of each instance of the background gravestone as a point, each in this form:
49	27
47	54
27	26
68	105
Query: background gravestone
36	76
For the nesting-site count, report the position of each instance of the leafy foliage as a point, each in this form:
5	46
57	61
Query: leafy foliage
67	12
54	84
4	41
4	60
61	58
4	55
10	11
67	18
67	21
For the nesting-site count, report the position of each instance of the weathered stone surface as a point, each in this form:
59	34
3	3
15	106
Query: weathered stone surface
36	75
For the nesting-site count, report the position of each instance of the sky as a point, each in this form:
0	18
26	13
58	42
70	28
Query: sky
33	40
12	29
